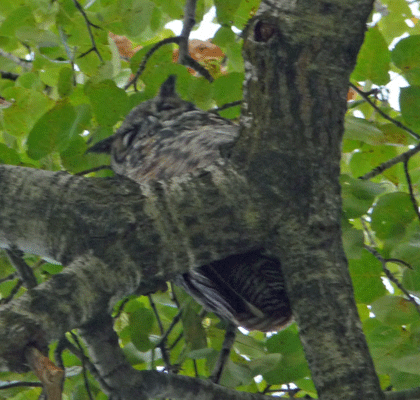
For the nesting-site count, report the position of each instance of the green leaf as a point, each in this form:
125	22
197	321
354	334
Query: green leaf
28	106
193	329
406	56
265	364
235	374
19	17
385	343
234	82
30	80
370	157
52	269
65	81
37	36
360	129
358	195
352	240
200	92
391	214
393	24
109	102
245	11
373	59
366	276
407	249
53	131
141	324
411	279
225	11
410	105
394	310
293	364
136	16
223	37
8	155
173	8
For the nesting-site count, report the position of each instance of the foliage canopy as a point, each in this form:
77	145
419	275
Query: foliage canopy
63	83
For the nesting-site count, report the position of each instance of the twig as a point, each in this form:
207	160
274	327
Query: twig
9	75
367	232
175	320
26	64
398	261
10	297
189	62
10	277
224	353
390	163
19	384
64	343
184	57
162	343
61	346
179	337
410	188
226	106
195	368
266	389
83	360
188	24
89	25
88	171
142	65
24	270
70	54
391	277
153	305
387	117
121	307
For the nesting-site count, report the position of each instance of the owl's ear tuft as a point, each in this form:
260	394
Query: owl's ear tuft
168	87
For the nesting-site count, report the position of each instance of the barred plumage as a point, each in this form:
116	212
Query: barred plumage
247	289
166	137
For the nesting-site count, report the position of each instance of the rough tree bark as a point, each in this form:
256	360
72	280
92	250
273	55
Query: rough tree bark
298	61
279	190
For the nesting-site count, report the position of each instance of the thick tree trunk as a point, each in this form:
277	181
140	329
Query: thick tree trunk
299	56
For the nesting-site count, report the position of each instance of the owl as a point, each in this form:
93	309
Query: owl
168	137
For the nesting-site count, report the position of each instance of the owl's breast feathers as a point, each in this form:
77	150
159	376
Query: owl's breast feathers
173	148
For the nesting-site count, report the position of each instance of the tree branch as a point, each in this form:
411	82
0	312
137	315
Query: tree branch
89	25
390	163
25	64
143	64
409	394
127	383
387	117
96	241
189	22
410	188
24	270
392	278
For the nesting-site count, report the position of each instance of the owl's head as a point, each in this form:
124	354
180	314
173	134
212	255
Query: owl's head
167	105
